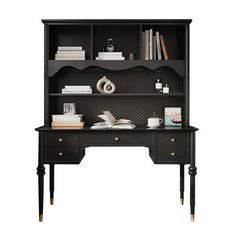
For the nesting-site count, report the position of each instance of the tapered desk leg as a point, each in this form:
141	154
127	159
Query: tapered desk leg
192	173
40	173
51	184
182	184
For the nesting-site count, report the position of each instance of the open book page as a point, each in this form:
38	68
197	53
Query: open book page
111	119
123	126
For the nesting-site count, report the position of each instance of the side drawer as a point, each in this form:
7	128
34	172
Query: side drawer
60	155
116	139
60	140
173	155
173	139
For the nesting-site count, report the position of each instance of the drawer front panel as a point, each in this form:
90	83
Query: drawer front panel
60	140
61	155
173	155
173	139
116	139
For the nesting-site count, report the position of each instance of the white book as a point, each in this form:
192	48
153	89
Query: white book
110	54
146	44
70	53
150	44
59	118
70	58
77	87
76	92
110	58
69	48
158	46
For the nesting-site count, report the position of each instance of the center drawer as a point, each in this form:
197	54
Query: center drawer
116	139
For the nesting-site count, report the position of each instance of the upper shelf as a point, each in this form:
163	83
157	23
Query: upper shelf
178	65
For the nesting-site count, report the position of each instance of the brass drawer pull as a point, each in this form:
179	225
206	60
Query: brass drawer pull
60	154
60	139
172	140
116	139
172	154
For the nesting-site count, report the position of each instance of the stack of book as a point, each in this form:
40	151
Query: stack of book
153	45
70	53
72	121
110	56
77	89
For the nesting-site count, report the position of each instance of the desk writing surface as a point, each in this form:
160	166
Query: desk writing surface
138	128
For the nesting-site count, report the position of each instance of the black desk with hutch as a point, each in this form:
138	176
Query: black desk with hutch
135	97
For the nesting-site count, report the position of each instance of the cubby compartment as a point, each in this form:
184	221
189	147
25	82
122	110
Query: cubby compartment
125	37
133	81
174	37
135	108
69	35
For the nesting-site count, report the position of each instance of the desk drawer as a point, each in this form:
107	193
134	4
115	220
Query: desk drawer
173	155
61	155
173	139
60	140
116	139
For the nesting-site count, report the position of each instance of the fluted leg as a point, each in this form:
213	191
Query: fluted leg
182	184
51	184
192	173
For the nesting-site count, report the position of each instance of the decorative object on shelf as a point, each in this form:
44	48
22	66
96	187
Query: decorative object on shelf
158	86
132	56
173	116
77	89
109	47
104	85
70	53
69	108
154	122
166	89
110	56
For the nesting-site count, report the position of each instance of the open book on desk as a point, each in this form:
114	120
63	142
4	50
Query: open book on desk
110	122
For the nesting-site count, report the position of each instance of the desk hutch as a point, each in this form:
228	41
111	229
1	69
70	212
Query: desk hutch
135	97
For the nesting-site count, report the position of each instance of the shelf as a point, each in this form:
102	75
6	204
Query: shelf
55	65
117	95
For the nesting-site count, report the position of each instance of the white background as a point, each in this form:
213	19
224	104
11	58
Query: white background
118	191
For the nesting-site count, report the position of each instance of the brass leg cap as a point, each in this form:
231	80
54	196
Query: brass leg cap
51	201
192	218
40	217
181	201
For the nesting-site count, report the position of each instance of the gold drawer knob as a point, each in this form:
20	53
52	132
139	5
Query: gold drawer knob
60	139
172	140
172	154
60	154
117	139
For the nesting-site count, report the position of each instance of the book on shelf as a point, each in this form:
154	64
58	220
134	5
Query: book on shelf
67	118
110	122
164	49
158	46
110	56
69	48
153	44
79	89
68	124
70	53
